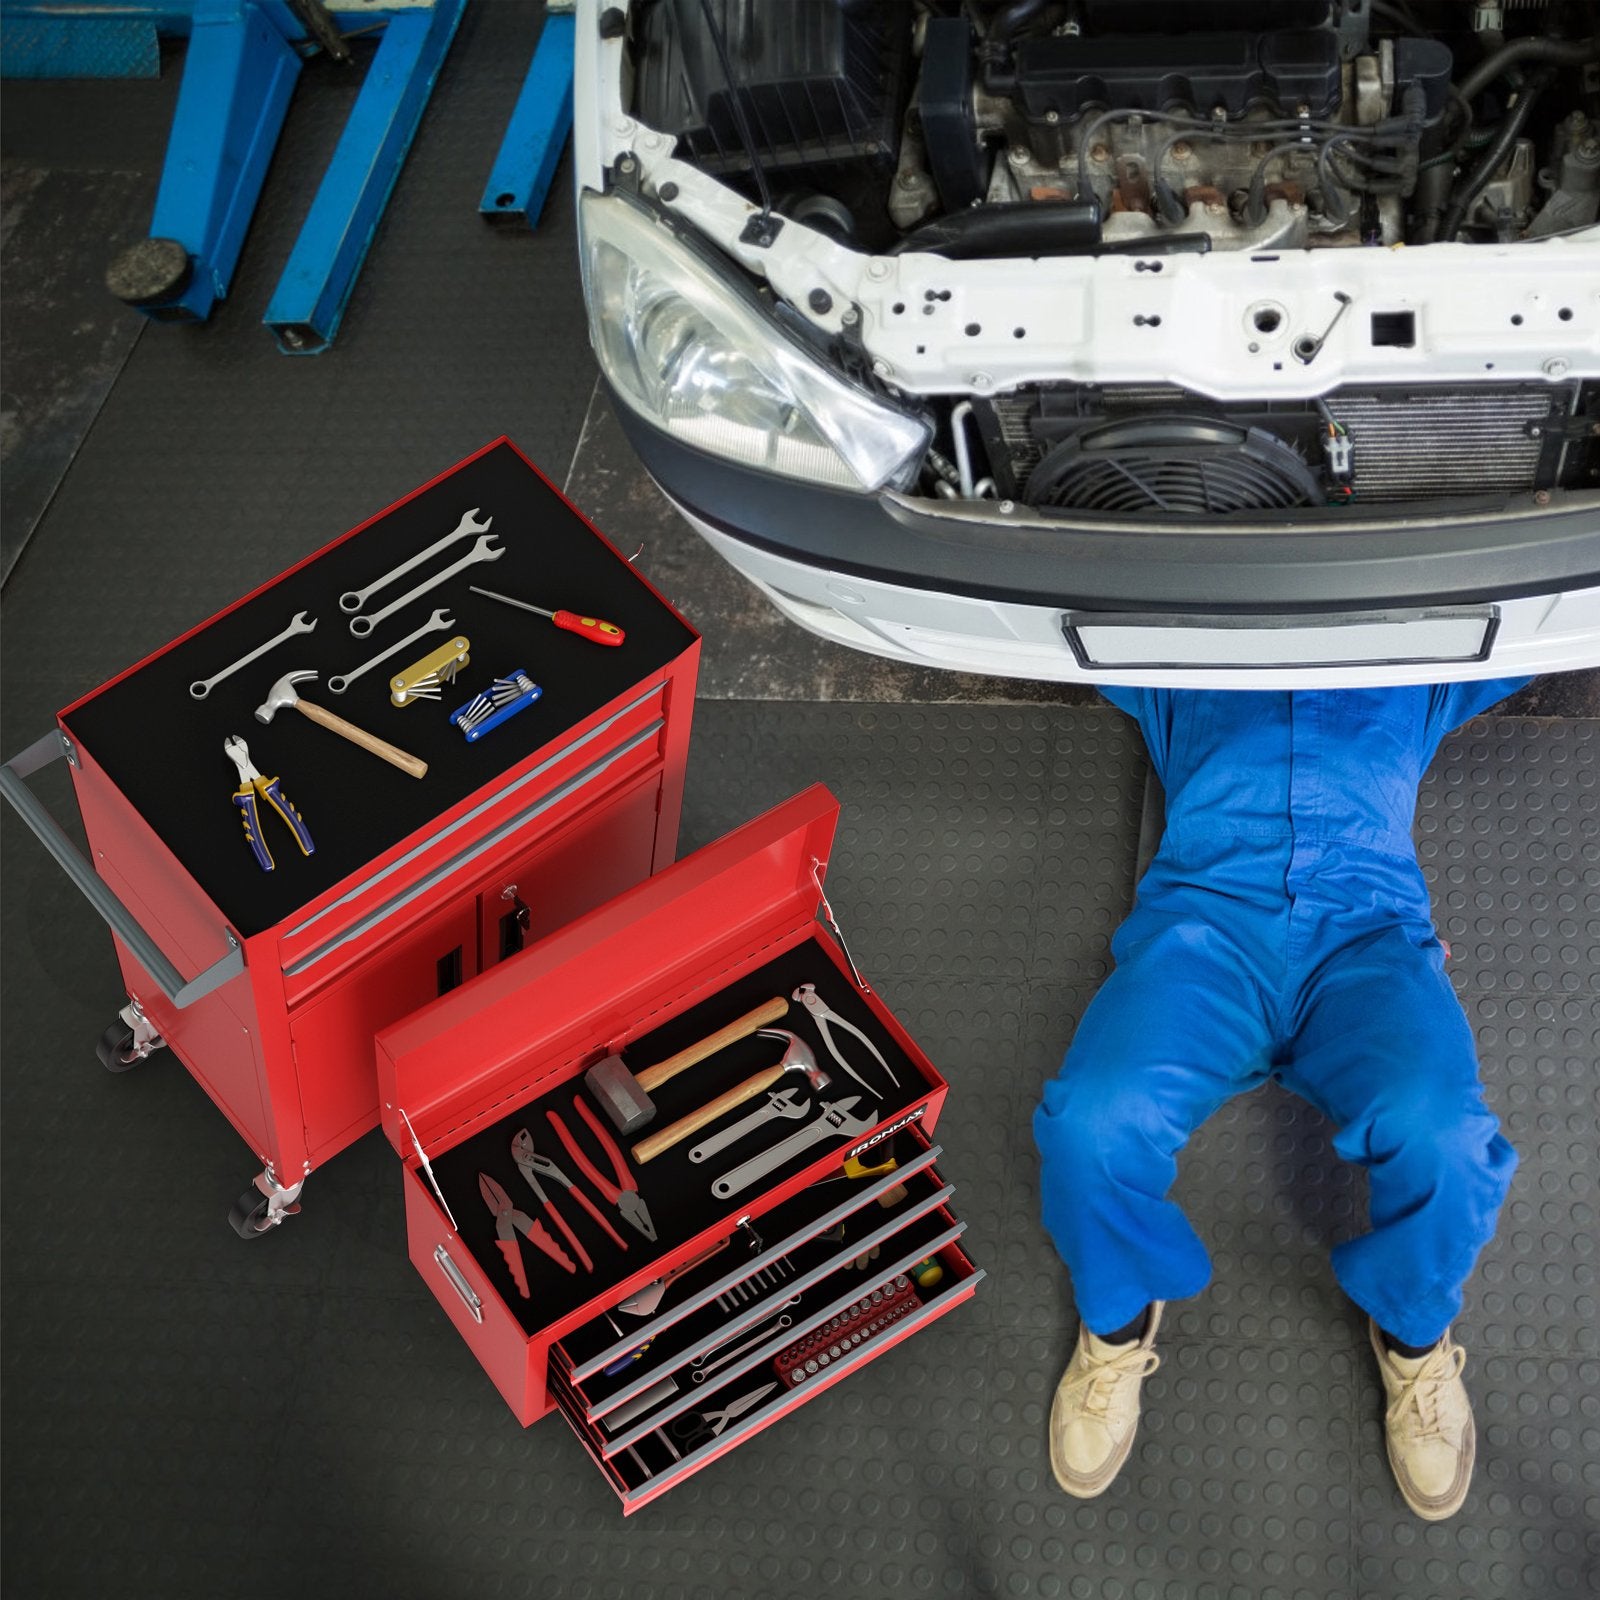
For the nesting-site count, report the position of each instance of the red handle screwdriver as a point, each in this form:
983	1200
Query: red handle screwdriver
590	627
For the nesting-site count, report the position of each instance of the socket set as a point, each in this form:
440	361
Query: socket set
872	1314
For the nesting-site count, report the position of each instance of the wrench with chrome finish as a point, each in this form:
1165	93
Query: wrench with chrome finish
701	1373
836	1122
354	599
484	550
201	687
784	1103
439	622
827	1019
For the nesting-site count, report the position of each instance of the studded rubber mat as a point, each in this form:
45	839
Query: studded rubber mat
190	1415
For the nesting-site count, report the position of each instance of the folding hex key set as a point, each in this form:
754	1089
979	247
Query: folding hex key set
670	1169
381	867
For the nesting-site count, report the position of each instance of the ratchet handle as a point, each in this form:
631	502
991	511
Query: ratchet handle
650	1147
250	816
368	741
594	628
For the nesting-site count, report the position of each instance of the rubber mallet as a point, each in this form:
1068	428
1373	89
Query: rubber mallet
625	1096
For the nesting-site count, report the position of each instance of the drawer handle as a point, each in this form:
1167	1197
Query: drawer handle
459	1283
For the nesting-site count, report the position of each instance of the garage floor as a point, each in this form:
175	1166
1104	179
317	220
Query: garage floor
188	1415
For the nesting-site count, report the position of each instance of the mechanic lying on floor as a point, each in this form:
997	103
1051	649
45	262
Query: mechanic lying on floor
1283	930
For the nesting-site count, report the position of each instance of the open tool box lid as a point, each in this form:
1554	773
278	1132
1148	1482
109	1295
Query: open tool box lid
556	1007
163	749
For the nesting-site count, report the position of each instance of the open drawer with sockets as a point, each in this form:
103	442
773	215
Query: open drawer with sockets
758	1206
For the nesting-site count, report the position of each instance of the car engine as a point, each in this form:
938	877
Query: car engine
1030	127
1051	128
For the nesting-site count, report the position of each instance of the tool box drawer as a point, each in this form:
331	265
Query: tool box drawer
297	922
781	1176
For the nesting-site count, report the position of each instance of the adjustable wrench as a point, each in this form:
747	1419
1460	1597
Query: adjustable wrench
785	1103
201	687
484	550
835	1122
439	622
354	599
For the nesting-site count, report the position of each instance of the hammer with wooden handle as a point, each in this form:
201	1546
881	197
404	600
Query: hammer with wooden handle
625	1096
283	694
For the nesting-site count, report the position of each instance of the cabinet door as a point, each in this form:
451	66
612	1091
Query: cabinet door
332	1034
593	859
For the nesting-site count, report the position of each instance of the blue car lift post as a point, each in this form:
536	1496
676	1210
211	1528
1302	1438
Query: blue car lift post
243	59
540	123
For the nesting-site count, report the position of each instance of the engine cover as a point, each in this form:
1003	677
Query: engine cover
1198	72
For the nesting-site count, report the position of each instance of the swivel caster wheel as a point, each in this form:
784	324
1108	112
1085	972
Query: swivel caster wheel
248	1218
116	1048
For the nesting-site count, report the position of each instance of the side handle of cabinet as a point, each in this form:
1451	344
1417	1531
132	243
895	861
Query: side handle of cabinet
459	1283
122	922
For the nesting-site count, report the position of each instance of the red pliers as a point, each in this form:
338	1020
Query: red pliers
534	1166
508	1223
624	1193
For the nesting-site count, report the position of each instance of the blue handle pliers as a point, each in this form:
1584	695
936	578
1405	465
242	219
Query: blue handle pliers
253	789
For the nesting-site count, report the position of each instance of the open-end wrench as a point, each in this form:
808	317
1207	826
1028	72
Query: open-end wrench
201	687
484	550
354	599
439	622
836	1122
785	1103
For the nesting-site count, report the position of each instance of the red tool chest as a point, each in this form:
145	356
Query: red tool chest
741	1307
269	985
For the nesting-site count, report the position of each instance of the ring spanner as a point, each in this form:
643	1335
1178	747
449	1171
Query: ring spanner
201	687
354	599
484	550
439	622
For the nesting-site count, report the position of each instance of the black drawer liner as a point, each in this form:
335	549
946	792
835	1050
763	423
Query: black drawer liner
677	1191
163	749
647	1458
666	1351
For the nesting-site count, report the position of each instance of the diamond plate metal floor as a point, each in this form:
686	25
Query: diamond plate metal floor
186	1416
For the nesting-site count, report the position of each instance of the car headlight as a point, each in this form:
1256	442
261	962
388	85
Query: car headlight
692	354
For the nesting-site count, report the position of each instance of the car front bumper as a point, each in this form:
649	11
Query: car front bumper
1422	597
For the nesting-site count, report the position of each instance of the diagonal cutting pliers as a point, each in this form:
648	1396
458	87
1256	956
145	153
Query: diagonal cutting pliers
252	790
533	1167
624	1193
826	1020
508	1223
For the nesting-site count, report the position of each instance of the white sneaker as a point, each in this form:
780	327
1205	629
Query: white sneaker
1096	1410
1432	1438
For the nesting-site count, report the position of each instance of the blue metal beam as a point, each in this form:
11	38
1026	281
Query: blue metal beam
538	130
310	297
238	75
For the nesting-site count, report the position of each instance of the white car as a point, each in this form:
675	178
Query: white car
1189	343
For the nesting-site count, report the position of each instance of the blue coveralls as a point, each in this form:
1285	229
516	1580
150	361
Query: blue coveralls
1283	928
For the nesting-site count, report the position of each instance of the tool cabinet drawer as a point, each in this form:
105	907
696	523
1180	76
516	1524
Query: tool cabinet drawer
785	1170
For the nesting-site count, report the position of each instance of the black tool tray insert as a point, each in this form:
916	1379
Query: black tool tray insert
163	749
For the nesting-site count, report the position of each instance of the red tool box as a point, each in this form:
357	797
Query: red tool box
665	1352
270	984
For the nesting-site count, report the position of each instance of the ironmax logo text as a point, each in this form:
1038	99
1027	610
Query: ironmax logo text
887	1133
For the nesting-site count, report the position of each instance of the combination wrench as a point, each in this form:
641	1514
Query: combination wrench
201	687
484	550
439	622
701	1373
354	599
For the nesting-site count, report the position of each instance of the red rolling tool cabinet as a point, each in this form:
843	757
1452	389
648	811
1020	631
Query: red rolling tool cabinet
665	1352
270	984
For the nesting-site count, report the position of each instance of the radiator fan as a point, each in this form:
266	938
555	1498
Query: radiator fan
1172	465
